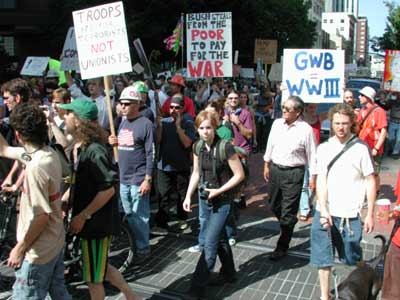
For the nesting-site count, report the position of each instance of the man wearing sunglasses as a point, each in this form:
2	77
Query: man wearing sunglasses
135	157
175	135
291	147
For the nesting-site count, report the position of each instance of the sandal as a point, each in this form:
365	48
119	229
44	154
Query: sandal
303	218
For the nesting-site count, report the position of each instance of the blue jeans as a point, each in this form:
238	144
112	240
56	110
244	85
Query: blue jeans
347	242
33	281
231	230
216	242
305	194
137	211
394	137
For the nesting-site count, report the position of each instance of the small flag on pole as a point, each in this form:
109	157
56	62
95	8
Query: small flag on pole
174	41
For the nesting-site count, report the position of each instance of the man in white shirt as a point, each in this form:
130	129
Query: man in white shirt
341	189
291	147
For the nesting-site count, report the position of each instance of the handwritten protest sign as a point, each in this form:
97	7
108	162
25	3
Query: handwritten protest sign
265	50
391	75
102	40
275	74
209	44
316	75
35	65
69	56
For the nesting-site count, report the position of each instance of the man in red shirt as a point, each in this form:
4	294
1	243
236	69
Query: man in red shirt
177	84
372	126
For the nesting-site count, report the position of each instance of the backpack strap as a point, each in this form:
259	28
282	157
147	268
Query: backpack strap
346	147
221	150
367	115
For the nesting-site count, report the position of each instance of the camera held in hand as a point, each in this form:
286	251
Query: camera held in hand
203	194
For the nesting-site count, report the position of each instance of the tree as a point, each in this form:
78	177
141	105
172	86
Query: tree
391	37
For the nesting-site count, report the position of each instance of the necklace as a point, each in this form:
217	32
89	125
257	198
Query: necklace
27	156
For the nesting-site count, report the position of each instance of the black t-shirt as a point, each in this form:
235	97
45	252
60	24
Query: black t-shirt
94	174
223	171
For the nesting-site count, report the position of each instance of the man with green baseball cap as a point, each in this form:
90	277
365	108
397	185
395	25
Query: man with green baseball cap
83	108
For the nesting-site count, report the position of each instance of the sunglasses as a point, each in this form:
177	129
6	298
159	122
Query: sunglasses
287	109
6	98
125	103
174	107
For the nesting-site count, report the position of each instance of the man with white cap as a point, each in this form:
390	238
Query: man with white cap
372	125
135	156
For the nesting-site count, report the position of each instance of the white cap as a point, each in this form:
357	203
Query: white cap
368	92
131	93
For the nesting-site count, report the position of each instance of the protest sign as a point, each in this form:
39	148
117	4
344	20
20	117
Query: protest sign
35	65
391	75
69	56
247	73
148	74
102	40
138	68
275	74
265	50
209	44
316	75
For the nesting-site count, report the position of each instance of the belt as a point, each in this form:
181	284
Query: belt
287	167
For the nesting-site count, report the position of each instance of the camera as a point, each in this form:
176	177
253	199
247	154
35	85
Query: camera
203	194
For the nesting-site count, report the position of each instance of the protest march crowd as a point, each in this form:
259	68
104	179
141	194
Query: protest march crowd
106	141
175	137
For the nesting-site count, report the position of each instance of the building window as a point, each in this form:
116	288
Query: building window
341	20
331	21
341	28
8	4
325	21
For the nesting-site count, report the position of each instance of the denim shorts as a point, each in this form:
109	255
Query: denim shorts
346	242
34	281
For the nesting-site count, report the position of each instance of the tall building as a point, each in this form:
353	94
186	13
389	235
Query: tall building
362	39
315	15
349	6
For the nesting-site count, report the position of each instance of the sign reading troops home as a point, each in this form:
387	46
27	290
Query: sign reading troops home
69	56
265	50
391	75
316	75
209	44
102	40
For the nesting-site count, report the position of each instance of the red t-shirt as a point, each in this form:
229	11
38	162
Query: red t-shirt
188	106
316	127
396	236
371	128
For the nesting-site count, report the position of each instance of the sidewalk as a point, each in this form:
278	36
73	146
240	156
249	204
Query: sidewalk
166	274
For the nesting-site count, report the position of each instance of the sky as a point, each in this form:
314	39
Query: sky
377	13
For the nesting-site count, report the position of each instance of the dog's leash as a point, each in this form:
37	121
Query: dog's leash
333	270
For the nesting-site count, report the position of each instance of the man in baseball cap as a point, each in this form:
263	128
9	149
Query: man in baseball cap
177	84
373	126
84	109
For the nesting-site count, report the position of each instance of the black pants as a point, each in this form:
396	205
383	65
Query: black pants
172	187
284	198
263	126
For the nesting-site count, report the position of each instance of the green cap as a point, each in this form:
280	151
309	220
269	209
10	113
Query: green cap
84	109
141	86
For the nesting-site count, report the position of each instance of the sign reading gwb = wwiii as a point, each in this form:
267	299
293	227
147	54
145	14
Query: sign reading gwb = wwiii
209	44
102	40
316	75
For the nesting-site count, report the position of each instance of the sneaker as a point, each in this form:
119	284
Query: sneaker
183	225
195	249
232	242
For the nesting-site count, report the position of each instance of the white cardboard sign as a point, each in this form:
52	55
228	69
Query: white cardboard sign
35	65
69	56
209	44
102	40
316	75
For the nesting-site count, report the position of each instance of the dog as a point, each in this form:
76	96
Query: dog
363	283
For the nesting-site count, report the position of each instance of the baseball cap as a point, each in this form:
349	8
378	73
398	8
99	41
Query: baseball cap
84	109
141	86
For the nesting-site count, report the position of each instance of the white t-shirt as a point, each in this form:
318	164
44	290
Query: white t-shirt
347	177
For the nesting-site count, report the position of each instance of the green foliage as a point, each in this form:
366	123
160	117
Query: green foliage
391	37
152	21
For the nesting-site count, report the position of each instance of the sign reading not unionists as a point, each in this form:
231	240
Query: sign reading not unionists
209	44
102	40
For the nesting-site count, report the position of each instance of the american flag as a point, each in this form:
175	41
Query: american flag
125	137
174	41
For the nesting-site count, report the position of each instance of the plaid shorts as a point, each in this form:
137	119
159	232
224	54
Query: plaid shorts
95	259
